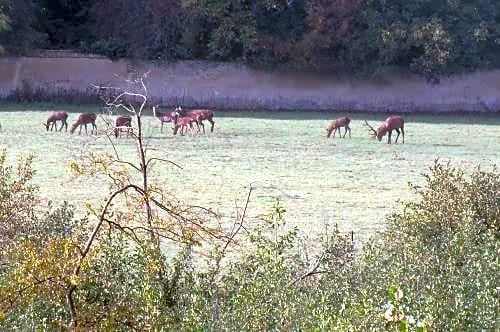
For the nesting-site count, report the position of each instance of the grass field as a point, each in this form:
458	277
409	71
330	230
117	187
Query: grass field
352	182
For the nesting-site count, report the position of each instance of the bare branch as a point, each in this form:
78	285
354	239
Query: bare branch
163	160
310	272
126	163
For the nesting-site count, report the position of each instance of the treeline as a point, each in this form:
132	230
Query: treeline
429	37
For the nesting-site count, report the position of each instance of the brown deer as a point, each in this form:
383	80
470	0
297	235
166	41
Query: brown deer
183	122
337	124
200	116
123	123
83	120
164	117
393	122
53	118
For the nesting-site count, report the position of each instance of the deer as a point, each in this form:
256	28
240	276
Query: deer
164	116
338	123
123	123
183	122
53	118
393	122
200	115
84	119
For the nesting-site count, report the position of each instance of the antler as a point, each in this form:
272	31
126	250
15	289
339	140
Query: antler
373	130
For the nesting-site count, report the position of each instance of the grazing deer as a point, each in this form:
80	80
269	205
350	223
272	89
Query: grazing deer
391	123
337	124
84	119
123	123
199	115
183	122
53	118
164	117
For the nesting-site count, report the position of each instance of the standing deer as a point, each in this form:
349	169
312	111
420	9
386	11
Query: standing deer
183	122
394	122
200	116
164	117
337	124
53	118
123	123
84	119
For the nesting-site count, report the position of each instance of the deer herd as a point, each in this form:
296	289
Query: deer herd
185	120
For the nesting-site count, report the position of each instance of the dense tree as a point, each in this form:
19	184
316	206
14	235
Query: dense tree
19	23
432	38
64	21
143	28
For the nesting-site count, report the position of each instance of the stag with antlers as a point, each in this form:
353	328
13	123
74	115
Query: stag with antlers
337	124
394	122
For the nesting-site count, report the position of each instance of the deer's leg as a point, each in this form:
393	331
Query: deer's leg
397	130
94	126
349	131
213	124
202	126
403	132
161	127
389	137
345	131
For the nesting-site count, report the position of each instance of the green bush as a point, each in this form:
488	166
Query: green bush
434	268
440	254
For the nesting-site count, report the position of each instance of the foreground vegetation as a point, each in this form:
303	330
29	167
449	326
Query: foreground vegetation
432	38
435	267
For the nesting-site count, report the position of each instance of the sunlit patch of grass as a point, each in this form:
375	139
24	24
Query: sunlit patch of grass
353	182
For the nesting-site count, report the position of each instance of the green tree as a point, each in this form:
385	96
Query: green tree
19	34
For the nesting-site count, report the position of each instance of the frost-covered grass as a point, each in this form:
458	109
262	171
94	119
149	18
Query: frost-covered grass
352	182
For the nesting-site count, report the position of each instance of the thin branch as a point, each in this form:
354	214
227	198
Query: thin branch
239	224
127	163
310	272
163	160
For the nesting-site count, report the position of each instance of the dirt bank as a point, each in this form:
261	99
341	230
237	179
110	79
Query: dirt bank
234	86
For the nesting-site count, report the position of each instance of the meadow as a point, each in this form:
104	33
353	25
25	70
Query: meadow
353	182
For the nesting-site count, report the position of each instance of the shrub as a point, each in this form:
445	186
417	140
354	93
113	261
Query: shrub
440	255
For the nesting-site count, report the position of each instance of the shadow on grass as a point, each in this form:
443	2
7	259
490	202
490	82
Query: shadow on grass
483	118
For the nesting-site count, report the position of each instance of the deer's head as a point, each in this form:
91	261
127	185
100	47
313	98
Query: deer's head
380	133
